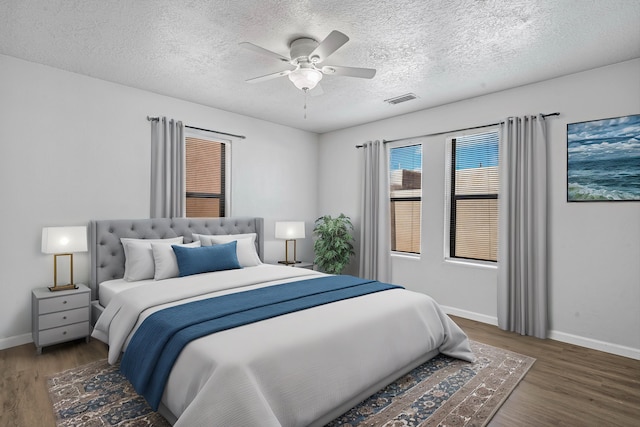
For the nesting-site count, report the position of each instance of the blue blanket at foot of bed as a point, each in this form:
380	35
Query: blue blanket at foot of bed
157	343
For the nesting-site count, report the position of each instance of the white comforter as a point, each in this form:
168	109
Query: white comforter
290	370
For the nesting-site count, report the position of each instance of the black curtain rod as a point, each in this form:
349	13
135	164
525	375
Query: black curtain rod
202	129
218	132
455	130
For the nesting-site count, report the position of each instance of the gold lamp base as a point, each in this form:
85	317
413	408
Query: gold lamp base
63	287
287	261
55	286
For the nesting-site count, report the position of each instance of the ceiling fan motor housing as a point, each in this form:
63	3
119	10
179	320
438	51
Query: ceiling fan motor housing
301	48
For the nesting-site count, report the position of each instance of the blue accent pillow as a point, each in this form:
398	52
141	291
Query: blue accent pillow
206	258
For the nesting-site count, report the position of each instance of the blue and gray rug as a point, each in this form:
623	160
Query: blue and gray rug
441	392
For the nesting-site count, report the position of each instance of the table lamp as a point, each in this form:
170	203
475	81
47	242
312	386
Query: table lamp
289	231
63	241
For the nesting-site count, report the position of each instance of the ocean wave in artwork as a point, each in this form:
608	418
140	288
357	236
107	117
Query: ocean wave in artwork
584	192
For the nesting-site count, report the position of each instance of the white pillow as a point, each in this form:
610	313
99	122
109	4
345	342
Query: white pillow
165	259
245	248
138	257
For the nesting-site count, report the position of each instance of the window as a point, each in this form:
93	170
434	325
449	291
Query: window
206	184
405	182
474	185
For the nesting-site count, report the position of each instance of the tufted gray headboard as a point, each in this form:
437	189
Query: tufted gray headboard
107	254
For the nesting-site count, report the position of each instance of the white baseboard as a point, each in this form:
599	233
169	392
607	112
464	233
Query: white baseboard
620	350
15	341
470	315
607	347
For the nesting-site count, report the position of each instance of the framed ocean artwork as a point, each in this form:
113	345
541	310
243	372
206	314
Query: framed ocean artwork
603	160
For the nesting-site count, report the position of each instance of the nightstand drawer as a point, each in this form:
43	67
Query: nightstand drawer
64	302
61	318
64	333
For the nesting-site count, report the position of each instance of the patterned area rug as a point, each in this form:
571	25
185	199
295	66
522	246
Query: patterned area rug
441	392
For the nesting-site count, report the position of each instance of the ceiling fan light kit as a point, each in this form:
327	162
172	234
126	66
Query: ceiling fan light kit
305	78
305	53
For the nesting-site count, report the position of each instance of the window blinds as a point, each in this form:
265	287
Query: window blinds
474	197
205	174
405	182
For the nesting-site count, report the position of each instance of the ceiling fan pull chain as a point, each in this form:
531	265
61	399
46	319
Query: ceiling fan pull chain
306	91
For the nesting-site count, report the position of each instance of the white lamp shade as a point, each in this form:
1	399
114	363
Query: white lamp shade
305	78
59	240
290	230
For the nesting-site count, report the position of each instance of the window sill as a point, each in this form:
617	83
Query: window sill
469	263
405	255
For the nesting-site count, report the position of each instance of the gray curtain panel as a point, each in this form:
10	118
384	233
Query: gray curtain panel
375	236
522	247
167	169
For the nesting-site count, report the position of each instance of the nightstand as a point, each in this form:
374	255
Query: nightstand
59	316
301	264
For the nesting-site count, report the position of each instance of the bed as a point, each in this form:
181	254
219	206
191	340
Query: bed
300	368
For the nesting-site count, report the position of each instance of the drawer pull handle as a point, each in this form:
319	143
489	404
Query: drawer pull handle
64	302
64	317
64	333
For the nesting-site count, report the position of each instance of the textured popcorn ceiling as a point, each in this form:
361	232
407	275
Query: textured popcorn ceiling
441	50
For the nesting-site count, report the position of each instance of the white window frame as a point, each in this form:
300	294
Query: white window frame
400	144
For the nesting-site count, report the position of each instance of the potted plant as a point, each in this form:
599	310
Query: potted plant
333	248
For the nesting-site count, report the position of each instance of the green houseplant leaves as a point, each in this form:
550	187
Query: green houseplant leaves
333	248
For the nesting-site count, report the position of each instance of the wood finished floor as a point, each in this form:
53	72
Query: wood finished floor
567	386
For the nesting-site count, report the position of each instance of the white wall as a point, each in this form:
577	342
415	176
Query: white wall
74	148
594	286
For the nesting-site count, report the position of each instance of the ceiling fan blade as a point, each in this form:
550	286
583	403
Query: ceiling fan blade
269	76
264	51
364	73
334	41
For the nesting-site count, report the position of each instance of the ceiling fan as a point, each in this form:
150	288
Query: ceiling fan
306	55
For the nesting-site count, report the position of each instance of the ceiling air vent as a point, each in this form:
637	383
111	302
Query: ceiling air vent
402	98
